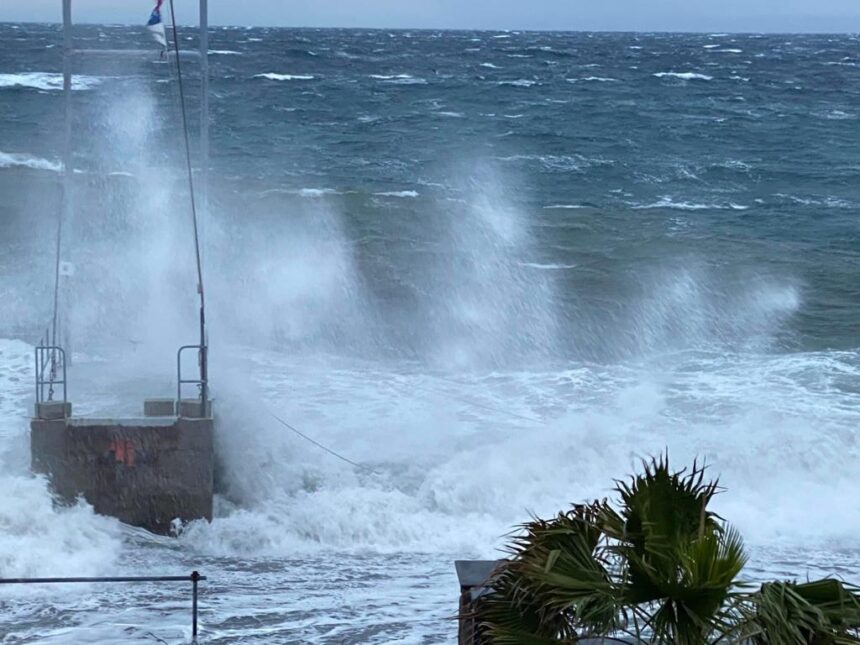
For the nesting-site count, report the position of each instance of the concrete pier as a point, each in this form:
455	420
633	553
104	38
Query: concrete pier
146	471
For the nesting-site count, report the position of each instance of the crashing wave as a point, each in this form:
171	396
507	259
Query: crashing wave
46	81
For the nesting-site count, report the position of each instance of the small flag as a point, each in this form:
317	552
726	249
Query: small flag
156	26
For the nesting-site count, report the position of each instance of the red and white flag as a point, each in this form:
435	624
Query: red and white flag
156	25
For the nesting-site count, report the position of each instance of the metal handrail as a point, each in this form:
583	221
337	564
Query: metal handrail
199	382
194	578
48	354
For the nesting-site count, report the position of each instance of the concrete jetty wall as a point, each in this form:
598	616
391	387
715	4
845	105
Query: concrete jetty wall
145	471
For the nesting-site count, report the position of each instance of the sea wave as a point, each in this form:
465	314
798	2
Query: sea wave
12	159
302	192
285	77
399	79
552	266
668	202
398	193
520	82
490	66
224	52
687	76
47	81
599	79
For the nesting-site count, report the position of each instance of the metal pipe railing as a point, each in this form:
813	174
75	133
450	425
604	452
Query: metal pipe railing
199	382
48	354
194	578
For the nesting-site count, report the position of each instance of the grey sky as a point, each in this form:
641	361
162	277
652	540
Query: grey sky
632	15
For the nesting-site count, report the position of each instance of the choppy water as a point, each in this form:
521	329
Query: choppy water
495	267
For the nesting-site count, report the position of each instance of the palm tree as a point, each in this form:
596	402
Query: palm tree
656	566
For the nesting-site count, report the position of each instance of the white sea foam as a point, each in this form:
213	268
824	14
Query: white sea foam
490	66
687	76
39	538
224	52
285	77
303	192
399	79
453	115
47	81
398	193
520	82
598	79
668	202
552	266
427	489
563	206
11	160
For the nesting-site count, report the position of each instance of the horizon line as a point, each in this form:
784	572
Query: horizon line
466	29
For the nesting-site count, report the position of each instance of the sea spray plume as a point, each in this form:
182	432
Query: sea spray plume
485	307
134	280
692	306
288	279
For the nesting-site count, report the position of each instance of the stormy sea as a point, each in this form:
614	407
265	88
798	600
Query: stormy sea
494	269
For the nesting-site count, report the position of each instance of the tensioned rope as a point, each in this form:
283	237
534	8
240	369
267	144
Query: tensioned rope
321	446
200	290
66	196
360	466
187	151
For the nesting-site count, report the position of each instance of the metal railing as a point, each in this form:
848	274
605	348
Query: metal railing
199	382
194	578
54	356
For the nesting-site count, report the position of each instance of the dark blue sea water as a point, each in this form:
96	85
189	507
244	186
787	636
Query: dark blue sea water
415	240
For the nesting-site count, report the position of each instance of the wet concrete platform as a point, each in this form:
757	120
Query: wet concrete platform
147	471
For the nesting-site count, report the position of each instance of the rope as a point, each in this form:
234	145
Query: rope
67	170
322	447
187	153
203	357
56	299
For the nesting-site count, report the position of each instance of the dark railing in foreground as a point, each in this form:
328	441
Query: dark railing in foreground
194	578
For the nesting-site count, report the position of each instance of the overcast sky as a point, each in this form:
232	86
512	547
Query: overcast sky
626	15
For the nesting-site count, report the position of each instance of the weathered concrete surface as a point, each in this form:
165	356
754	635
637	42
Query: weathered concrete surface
53	410
159	408
146	472
194	409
